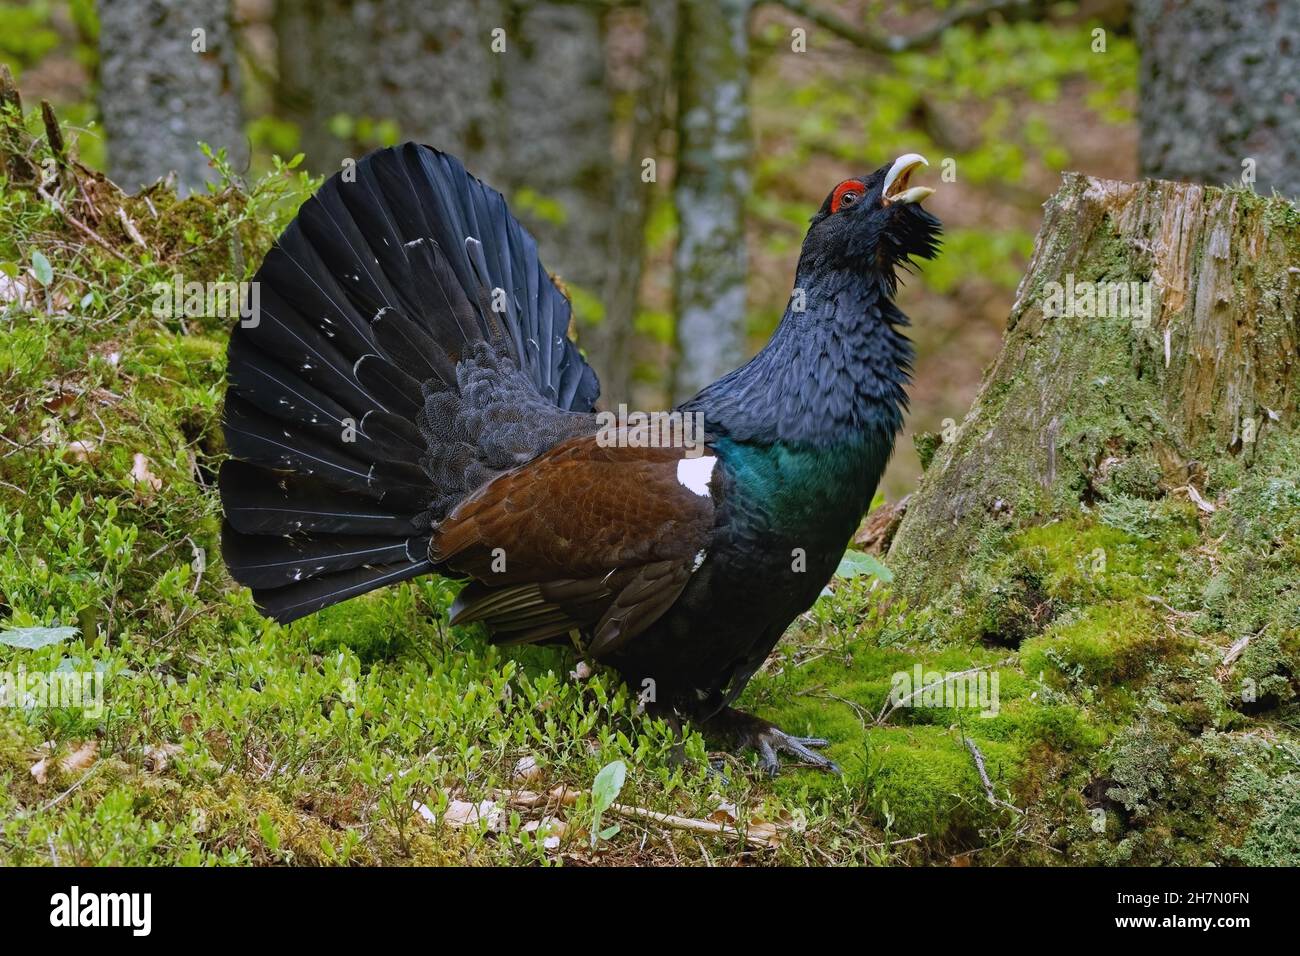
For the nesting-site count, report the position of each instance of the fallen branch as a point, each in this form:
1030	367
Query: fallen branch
758	834
984	777
911	839
1239	647
885	713
94	236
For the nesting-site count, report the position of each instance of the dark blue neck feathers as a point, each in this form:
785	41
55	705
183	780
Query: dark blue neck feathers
834	371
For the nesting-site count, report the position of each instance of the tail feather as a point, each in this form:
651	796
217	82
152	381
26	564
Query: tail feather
413	350
299	600
348	418
398	392
262	503
283	334
285	560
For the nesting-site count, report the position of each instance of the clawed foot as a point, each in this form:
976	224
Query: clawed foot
747	732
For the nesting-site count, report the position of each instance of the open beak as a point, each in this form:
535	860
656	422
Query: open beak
896	188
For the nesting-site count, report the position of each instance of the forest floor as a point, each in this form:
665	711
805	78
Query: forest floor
373	733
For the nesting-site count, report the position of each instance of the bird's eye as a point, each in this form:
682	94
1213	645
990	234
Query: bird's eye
846	194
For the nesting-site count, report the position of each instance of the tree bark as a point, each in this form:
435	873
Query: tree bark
632	202
426	67
713	175
163	89
1220	85
557	139
1195	392
533	120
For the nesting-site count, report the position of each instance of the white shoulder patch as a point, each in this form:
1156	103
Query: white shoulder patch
694	473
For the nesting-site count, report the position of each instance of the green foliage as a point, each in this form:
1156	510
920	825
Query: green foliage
366	132
984	101
32	638
529	202
26	32
604	791
855	563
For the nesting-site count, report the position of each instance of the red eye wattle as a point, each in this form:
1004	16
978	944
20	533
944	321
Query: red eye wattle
846	194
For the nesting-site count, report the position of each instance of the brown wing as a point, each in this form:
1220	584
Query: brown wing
597	539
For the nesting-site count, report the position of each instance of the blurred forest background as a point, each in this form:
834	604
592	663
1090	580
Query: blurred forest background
749	110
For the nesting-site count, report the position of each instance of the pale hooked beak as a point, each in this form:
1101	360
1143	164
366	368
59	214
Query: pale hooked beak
896	189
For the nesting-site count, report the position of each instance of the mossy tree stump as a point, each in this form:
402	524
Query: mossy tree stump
1175	401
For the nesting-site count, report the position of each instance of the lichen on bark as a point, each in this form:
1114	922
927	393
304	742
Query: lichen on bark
1199	389
1120	510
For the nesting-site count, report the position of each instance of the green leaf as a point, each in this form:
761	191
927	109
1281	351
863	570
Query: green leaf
855	563
341	126
41	268
32	638
269	835
608	783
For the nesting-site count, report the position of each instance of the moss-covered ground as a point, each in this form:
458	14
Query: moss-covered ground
1117	735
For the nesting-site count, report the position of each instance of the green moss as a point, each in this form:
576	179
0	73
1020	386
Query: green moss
1268	672
1061	727
1099	646
925	443
1273	838
924	779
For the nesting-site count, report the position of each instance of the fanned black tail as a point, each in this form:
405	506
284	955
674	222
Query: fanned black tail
409	345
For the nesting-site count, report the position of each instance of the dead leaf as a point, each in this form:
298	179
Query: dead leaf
550	829
80	449
81	758
12	289
462	813
41	769
156	759
78	760
130	228
1200	502
725	812
147	481
526	769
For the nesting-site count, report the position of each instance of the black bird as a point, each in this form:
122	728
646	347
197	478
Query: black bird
407	401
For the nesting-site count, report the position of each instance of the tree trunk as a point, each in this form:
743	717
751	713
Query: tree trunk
1220	87
1176	401
533	119
345	66
556	141
165	86
714	150
632	202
